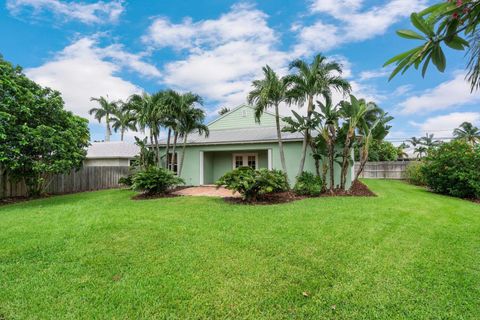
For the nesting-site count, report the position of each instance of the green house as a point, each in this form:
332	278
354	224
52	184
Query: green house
235	140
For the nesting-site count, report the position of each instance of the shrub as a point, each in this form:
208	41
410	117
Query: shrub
252	183
414	173
453	169
126	181
154	180
379	151
308	184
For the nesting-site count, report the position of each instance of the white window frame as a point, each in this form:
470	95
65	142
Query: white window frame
245	159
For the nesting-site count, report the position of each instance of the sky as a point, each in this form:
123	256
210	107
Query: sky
217	48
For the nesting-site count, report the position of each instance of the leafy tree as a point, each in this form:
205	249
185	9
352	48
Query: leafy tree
452	23
38	137
105	110
401	153
331	116
223	111
146	157
270	92
467	132
123	119
310	80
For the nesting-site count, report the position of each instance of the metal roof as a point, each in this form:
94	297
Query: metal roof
243	135
112	149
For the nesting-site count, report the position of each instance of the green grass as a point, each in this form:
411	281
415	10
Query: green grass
407	254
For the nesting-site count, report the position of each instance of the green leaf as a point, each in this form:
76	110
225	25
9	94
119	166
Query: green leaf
399	67
421	25
425	65
438	58
402	56
409	34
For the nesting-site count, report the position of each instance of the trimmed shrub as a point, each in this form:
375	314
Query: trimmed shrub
414	173
308	184
126	181
454	169
154	180
252	183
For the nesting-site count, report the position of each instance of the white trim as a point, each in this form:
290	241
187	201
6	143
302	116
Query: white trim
270	162
244	159
202	182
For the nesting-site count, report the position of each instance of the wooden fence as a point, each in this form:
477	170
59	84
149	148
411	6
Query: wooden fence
86	179
384	170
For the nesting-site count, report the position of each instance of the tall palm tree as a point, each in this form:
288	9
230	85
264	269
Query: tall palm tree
414	141
123	119
105	110
191	121
467	132
223	110
310	80
269	92
401	153
331	117
429	141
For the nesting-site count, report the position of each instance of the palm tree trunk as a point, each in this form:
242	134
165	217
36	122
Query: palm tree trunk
363	161
168	147
280	142
157	149
346	151
306	137
108	133
175	137
331	164
183	155
122	133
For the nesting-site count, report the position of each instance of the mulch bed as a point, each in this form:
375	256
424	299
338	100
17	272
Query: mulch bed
145	196
358	190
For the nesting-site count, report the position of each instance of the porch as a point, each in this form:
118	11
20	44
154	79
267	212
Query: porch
214	164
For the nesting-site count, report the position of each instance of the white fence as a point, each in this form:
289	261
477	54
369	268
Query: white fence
384	170
86	179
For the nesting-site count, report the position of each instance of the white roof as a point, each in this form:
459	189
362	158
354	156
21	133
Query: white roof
112	149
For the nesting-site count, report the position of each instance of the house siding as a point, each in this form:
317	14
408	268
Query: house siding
236	119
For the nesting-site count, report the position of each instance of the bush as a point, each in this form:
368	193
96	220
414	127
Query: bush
453	169
414	173
154	180
379	151
126	181
308	184
252	183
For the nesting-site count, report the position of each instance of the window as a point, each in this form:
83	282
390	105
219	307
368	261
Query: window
173	162
238	161
245	160
252	161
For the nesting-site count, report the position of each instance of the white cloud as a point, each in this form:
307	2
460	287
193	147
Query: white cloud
80	71
449	94
372	74
443	126
223	55
353	24
91	13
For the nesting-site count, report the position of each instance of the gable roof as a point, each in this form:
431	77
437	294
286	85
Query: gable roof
235	109
242	116
112	149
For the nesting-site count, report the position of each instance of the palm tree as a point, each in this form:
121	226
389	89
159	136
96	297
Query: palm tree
318	78
123	119
353	112
401	153
223	111
414	141
468	133
331	116
429	141
105	109
190	122
266	93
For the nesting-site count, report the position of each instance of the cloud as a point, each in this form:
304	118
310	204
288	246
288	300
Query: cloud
90	13
351	23
372	74
80	71
223	55
449	94
443	126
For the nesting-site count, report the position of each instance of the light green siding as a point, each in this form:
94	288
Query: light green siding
242	117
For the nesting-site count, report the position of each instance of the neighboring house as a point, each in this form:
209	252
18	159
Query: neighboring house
235	140
110	154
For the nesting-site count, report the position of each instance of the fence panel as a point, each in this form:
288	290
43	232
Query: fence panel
383	170
86	179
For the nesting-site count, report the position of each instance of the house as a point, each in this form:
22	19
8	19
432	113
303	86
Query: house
110	154
235	140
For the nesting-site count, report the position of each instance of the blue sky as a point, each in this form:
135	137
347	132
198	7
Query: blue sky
216	48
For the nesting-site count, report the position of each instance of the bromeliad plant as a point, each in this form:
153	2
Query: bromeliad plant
252	184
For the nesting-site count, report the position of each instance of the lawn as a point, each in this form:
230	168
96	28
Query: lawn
407	254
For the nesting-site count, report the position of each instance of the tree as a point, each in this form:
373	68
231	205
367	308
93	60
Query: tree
146	157
429	141
269	92
223	111
448	23
401	153
105	110
38	137
123	119
331	116
468	133
190	122
318	78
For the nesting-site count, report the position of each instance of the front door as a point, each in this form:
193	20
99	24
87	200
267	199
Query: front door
245	160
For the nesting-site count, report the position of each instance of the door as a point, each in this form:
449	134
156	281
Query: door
245	160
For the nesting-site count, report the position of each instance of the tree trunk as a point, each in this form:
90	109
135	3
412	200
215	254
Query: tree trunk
174	157
306	137
122	133
346	155
280	142
108	133
180	165
157	149
331	164
168	147
363	161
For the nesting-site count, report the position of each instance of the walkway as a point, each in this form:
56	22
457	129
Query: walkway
208	191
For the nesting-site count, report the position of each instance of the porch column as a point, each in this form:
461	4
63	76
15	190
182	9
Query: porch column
270	164
201	168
